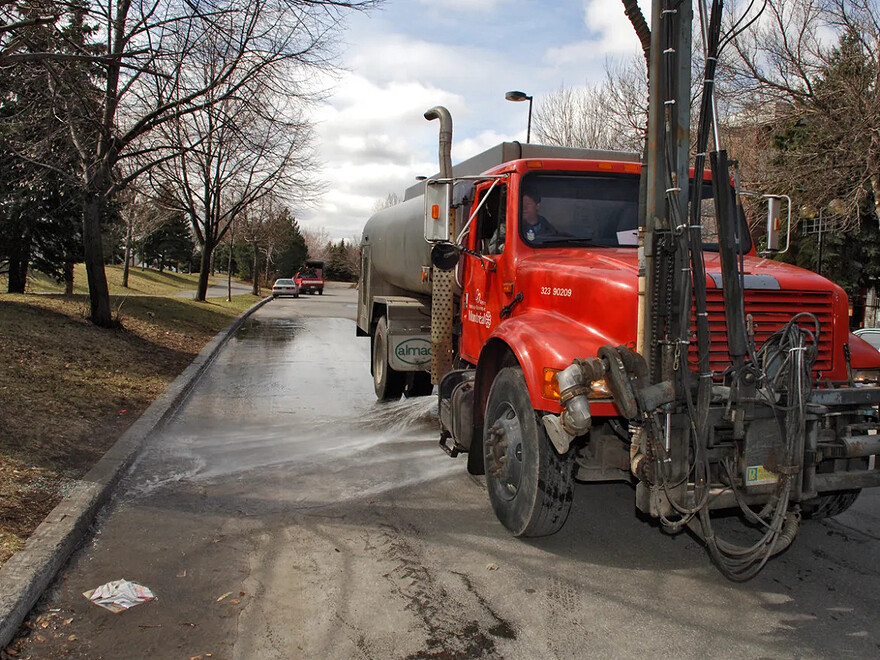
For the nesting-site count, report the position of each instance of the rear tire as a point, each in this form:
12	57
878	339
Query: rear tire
828	506
387	382
530	485
418	383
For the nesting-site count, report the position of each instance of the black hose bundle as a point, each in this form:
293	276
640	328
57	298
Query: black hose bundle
782	368
786	360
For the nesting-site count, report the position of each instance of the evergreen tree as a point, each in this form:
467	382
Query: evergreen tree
170	245
39	206
292	251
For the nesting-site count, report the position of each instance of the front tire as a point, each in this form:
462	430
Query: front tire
828	506
387	382
530	485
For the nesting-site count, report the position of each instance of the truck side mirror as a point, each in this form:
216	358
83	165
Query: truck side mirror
444	256
437	204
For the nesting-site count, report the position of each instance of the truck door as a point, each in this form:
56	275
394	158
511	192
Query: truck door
482	296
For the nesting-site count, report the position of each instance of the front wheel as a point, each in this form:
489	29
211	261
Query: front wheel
387	382
530	485
830	505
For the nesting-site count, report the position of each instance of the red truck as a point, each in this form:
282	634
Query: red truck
542	387
310	277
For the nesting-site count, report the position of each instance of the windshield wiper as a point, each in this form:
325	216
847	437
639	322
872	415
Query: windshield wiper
567	241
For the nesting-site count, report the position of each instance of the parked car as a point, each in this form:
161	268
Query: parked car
870	335
285	287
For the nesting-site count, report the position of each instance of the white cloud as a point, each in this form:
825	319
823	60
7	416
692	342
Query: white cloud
610	35
464	54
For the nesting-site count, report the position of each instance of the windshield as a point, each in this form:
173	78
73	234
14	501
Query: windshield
596	210
283	282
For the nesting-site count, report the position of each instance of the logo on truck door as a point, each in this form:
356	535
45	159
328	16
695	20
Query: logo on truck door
477	312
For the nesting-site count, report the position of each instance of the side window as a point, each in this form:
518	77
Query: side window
491	221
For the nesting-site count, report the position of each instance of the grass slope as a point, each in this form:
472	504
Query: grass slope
145	282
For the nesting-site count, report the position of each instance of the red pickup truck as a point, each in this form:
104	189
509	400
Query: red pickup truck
310	278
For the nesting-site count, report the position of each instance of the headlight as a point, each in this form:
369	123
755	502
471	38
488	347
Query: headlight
866	377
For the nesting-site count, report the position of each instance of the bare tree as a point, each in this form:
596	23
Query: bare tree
809	74
142	215
318	243
611	115
391	199
146	78
248	144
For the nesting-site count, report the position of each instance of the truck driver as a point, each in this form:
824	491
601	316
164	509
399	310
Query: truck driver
534	225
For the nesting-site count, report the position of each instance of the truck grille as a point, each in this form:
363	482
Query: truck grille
771	310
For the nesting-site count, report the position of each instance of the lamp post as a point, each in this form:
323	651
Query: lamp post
522	96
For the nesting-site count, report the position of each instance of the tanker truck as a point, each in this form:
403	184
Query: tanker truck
544	386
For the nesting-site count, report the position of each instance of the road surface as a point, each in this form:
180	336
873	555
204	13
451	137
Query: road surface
284	513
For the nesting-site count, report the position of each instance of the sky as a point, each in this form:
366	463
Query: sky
411	55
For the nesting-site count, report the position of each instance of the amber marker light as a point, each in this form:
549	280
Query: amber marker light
535	164
550	386
435	211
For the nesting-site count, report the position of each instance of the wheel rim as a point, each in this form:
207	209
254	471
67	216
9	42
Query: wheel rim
506	453
378	362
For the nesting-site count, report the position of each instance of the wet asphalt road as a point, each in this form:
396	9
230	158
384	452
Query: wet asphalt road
283	513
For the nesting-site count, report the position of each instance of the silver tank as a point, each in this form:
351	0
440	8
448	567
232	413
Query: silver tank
395	237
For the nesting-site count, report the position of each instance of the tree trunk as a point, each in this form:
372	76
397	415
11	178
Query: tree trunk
68	278
229	265
19	260
99	293
128	254
204	270
255	275
875	188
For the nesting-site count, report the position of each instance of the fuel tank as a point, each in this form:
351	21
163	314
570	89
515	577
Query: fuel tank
395	240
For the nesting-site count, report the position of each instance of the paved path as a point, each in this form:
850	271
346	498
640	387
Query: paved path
217	288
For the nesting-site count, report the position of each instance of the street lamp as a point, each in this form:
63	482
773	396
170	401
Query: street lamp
522	96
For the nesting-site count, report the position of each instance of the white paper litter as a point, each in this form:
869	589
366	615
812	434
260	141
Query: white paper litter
119	595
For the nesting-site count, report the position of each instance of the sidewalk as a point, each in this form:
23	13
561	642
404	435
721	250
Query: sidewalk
217	288
28	572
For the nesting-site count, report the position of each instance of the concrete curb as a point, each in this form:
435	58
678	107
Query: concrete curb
24	578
